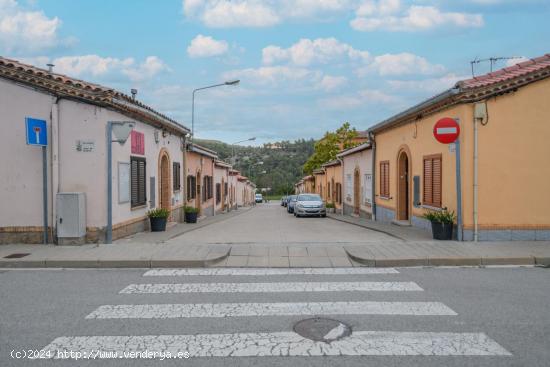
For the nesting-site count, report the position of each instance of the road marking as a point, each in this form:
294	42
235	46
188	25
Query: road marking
360	343
268	271
270	287
170	311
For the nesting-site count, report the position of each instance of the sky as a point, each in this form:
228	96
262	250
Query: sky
305	66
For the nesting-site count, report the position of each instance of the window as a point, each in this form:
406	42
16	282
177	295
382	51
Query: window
385	179
367	189
218	193
432	181
207	192
176	172
225	189
339	193
137	181
191	187
349	187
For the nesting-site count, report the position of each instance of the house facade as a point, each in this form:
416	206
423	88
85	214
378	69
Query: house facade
320	182
358	181
200	178
147	170
333	178
221	188
504	130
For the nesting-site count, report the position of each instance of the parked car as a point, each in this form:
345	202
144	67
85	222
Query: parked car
259	198
285	203
309	205
283	199
291	202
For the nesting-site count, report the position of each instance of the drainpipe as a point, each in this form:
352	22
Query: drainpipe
213	184
373	170
475	179
54	151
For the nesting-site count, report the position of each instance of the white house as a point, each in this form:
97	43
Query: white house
357	172
147	171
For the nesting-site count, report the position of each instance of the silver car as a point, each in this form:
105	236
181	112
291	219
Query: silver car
309	205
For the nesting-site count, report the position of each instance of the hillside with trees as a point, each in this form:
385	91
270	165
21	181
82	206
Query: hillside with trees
274	165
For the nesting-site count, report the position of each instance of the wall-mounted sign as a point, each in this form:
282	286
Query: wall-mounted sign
138	142
446	130
85	146
37	133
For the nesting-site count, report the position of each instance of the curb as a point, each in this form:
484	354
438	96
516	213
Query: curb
367	227
121	263
450	261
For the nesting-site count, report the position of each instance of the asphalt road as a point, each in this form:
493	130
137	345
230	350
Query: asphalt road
508	305
270	224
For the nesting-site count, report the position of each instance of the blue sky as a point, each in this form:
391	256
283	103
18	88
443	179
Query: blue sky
305	66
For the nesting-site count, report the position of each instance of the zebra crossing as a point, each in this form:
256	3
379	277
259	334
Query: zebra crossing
275	343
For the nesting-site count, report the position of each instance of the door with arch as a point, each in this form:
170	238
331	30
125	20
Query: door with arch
165	182
403	183
356	192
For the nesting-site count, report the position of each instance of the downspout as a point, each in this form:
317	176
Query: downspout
213	183
54	151
373	170
476	233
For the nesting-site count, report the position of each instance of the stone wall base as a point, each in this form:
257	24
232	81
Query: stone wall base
349	209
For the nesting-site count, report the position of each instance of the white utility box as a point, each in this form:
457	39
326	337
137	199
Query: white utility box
71	215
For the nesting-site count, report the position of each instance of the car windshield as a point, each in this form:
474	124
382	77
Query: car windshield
292	198
309	198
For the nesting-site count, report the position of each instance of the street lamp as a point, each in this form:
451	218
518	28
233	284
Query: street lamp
230	82
252	165
237	142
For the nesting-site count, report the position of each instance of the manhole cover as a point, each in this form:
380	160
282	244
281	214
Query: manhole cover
16	256
322	330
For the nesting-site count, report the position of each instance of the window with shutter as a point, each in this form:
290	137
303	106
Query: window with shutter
218	193
176	172
385	179
191	187
137	181
432	181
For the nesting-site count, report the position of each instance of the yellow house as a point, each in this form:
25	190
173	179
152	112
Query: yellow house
320	182
504	120
333	179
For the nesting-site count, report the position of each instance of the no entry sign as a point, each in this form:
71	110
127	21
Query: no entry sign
446	130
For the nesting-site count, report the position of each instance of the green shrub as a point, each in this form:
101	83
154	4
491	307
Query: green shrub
442	216
330	206
190	209
158	213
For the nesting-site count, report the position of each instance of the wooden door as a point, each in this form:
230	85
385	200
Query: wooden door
356	192
403	187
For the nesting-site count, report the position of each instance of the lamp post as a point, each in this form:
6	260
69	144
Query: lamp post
230	82
252	165
233	158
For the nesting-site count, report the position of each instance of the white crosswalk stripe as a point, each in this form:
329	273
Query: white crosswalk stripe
267	271
171	311
271	287
275	343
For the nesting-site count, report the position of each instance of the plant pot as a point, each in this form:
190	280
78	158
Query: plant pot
191	217
442	231
158	224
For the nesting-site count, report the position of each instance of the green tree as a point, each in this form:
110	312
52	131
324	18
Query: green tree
326	149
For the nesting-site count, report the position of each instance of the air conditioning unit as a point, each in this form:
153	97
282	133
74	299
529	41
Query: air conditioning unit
71	218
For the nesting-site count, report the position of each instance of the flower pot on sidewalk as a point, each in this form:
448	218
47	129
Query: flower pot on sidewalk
191	214
442	224
158	218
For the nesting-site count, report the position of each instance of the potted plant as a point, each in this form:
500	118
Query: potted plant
331	208
158	218
191	214
442	224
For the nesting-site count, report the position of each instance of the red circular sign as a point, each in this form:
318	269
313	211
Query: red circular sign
446	130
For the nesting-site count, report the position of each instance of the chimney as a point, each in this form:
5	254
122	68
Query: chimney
50	67
134	92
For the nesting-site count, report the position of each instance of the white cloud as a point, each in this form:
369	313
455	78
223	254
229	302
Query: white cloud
306	52
362	98
391	16
206	46
430	85
400	64
104	67
274	75
329	83
24	31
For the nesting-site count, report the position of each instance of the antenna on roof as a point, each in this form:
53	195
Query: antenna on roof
134	92
50	67
492	60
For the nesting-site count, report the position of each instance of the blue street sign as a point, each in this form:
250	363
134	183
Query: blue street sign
37	133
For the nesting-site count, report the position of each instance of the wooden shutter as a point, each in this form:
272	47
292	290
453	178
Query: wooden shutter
176	173
432	181
137	181
218	193
385	179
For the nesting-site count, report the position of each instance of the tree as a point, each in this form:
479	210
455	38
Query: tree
326	149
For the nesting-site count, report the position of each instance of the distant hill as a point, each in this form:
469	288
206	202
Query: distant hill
282	161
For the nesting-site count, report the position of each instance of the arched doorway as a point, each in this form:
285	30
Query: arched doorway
198	196
403	186
356	192
165	180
